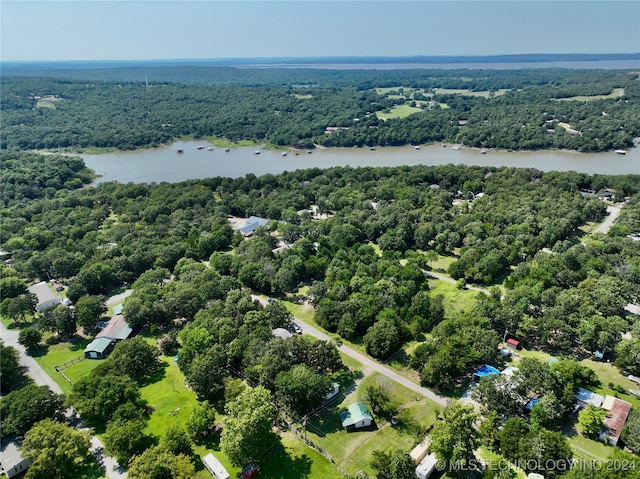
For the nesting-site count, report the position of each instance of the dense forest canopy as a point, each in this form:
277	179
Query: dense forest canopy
586	110
519	227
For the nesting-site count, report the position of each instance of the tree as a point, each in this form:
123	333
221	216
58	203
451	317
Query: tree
12	286
135	357
488	431
19	307
247	431
631	431
21	409
125	439
206	374
377	395
395	465
201	422
30	338
301	388
159	463
10	366
56	449
59	319
511	436
177	441
454	437
98	395
89	309
382	339
590	421
628	355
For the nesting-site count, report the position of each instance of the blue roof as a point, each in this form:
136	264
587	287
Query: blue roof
532	403
486	370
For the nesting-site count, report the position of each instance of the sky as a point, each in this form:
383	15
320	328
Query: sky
147	29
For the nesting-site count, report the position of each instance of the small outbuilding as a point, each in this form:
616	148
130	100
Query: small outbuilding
99	348
513	344
215	467
356	416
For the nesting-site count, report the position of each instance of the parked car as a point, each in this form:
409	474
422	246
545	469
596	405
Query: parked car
295	328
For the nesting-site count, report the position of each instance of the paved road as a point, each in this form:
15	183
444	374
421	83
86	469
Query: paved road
368	364
41	378
613	212
118	297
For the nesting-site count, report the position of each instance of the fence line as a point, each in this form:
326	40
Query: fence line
310	443
71	362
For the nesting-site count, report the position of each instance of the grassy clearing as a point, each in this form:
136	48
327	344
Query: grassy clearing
615	93
454	299
608	373
354	450
498	460
467	92
172	401
48	102
302	97
399	111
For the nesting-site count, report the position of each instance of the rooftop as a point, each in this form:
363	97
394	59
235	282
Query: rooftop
43	292
355	413
614	423
486	370
99	345
117	328
589	397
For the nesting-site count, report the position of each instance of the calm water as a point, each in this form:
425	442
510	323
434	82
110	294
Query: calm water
162	164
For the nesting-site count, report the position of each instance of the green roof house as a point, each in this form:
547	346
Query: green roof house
99	348
356	416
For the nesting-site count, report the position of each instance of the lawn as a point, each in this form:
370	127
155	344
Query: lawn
398	111
353	450
59	353
608	373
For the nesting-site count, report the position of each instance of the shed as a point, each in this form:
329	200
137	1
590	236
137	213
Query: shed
584	397
513	344
11	461
356	416
613	424
426	466
419	452
99	348
251	224
116	329
215	467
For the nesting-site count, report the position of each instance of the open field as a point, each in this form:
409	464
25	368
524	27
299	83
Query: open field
454	299
399	111
616	93
460	91
353	450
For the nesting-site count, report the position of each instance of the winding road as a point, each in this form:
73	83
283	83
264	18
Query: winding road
613	212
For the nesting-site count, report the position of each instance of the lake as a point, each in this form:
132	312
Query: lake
163	164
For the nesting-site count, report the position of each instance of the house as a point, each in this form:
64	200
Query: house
46	297
426	466
11	461
116	329
513	344
281	333
335	389
214	466
99	348
251	224
584	397
356	416
618	412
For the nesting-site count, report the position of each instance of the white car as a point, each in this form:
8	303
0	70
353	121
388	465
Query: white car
295	328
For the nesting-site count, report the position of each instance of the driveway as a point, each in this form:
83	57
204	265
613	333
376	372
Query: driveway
613	212
41	378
